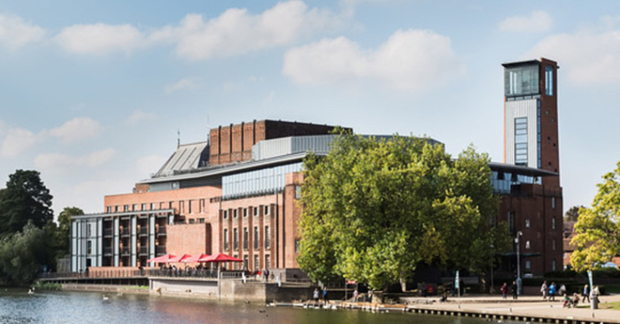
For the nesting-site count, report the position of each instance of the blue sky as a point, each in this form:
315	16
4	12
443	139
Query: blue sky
92	93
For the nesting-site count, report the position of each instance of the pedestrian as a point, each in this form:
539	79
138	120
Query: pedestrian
514	289
315	295
594	294
355	293
562	290
370	295
552	292
504	290
325	296
543	290
586	294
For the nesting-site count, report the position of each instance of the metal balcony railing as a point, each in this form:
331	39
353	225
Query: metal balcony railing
160	250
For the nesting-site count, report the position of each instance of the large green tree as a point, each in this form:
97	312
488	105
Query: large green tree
374	209
24	199
23	254
597	231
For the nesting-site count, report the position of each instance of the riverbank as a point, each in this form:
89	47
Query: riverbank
527	308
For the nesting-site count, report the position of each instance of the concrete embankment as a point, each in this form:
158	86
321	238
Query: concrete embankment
106	288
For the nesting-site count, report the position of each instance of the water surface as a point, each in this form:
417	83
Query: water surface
17	307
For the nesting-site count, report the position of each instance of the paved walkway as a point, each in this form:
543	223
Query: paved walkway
527	306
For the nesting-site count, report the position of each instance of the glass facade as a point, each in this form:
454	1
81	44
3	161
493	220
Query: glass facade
502	181
257	182
521	81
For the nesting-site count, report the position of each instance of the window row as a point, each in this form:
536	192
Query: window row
255	238
255	210
193	206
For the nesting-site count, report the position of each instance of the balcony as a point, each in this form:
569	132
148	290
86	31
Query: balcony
125	232
125	251
143	250
160	250
107	251
143	231
107	232
161	230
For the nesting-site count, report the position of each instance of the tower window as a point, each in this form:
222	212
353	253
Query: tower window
521	141
549	80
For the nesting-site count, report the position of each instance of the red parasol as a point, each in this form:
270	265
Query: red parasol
162	259
180	258
196	258
221	257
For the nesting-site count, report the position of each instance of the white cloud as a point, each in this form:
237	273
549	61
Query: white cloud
77	129
591	56
100	39
138	116
186	83
537	21
15	32
236	31
410	60
150	164
18	141
56	163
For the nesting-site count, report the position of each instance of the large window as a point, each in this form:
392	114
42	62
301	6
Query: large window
226	239
235	239
267	237
521	81
255	237
521	141
549	80
245	238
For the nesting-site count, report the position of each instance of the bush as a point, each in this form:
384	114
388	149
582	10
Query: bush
44	285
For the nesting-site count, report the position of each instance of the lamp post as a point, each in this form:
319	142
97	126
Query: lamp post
519	234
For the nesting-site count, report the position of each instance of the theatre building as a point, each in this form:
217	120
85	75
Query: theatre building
237	192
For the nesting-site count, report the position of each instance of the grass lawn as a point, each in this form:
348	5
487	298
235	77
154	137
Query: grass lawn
614	306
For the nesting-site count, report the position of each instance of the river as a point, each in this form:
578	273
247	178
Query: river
17	307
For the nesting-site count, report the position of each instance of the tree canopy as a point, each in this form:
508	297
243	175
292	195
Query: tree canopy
24	199
572	214
374	209
597	231
30	240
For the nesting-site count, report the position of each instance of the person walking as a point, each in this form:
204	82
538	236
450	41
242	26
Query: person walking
315	295
514	289
504	290
325	296
355	294
562	290
552	292
586	293
543	290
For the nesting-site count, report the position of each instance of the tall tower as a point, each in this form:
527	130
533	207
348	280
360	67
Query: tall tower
531	116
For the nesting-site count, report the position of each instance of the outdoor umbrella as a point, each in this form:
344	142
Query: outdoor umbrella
221	257
180	258
162	259
196	258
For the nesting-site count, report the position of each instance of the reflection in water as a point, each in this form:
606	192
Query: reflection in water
17	307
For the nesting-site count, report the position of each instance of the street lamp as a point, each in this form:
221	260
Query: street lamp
519	234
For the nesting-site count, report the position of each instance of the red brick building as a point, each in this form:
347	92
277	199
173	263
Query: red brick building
237	192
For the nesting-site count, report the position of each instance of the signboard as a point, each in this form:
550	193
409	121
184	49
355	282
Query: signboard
351	282
456	280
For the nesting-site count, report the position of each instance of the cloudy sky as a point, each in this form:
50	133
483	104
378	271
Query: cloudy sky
93	93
